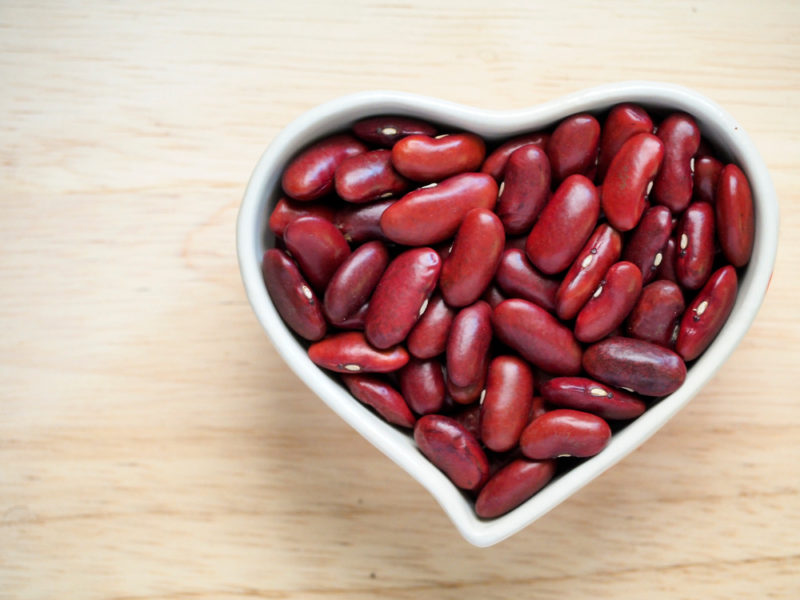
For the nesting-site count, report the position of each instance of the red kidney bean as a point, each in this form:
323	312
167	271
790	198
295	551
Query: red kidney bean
428	338
294	299
355	321
707	313
623	122
573	146
593	261
468	343
431	215
369	176
400	296
507	403
469	417
655	316
310	174
349	352
673	184
584	394
666	269
469	393
318	247
610	304
495	163
695	250
565	432
706	175
286	211
493	296
537	336
361	223
564	225
735	225
636	365
512	485
422	384
426	159
354	280
453	450
378	394
474	258
629	175
649	238
525	189
517	278
389	129
538	408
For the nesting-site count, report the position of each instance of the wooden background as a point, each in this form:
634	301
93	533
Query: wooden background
152	442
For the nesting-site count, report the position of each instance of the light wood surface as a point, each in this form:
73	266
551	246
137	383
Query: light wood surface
152	442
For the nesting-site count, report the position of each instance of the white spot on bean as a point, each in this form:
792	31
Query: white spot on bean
649	187
627	389
386	195
675	331
691	164
598	291
598	392
483	395
657	260
564	455
430	185
443	135
587	261
502	187
423	307
389	131
306	292
701	308
684	241
353	368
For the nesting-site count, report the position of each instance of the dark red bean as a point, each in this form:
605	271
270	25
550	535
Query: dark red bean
310	174
381	396
293	298
565	432
655	316
644	248
573	146
610	304
623	122
707	313
564	225
356	321
695	251
286	211
706	175
537	336
349	352
422	384
369	176
512	485
453	450
591	396
318	247
495	163
517	278
428	338
666	268
673	184
361	223
431	215
735	220
387	130
354	280
468	344
507	403
399	298
469	393
427	159
525	189
636	365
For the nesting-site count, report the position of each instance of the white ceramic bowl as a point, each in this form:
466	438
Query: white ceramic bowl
253	237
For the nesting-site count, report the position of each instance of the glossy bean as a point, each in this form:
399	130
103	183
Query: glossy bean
318	247
573	146
512	485
369	176
400	296
707	313
610	304
644	248
310	174
695	250
735	219
468	343
656	314
507	403
428	338
427	159
672	186
495	163
422	385
707	170
381	396
564	225
386	130
565	432
453	450
666	269
525	189
517	278
636	365
580	393
354	280
623	122
349	352
286	211
361	222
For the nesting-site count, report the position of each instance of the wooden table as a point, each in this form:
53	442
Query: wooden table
152	442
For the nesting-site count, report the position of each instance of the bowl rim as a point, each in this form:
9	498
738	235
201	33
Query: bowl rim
263	187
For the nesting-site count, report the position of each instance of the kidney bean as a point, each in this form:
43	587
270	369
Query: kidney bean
655	316
537	336
636	365
469	417
400	296
538	408
318	247
294	299
516	277
525	189
706	175
695	250
565	432
735	225
469	393
432	214
378	394
369	176
623	122
610	304
453	450
573	146
666	267
361	223
495	163
426	159
493	296
593	261
649	238
629	174
591	396
422	384
355	321
673	184
564	225
707	313
286	211
474	259
428	338
310	174
389	129
468	343
512	485
507	403
349	352
354	280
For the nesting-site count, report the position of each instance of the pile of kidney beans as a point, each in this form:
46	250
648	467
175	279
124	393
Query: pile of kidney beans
508	306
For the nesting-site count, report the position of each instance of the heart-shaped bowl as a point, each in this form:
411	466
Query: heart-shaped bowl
253	237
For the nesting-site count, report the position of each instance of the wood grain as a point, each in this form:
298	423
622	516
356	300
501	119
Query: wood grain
152	443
